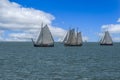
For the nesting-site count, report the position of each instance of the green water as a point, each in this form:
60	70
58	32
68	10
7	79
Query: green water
22	61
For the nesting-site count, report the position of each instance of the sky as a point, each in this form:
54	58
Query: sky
20	20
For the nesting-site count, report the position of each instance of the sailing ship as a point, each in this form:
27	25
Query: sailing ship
73	38
106	40
44	39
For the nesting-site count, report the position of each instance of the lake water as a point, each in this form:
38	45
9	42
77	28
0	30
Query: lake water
22	61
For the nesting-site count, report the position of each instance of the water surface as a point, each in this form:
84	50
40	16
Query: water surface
22	61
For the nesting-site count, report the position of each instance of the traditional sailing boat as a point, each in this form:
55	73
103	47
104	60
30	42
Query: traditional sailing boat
106	40
73	38
45	38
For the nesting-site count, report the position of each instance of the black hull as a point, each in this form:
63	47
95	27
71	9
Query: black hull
45	45
106	44
72	45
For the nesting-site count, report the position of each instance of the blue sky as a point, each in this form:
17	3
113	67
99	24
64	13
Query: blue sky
88	15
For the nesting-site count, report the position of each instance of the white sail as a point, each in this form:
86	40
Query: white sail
67	41
45	37
106	39
79	38
66	37
40	37
73	38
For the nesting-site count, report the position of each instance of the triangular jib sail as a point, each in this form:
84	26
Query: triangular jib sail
73	38
106	40
45	38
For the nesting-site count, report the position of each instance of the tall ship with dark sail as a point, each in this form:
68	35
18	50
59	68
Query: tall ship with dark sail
73	38
106	39
44	39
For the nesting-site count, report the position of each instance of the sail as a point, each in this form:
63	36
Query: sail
45	37
66	37
67	41
79	38
73	37
70	37
106	39
40	37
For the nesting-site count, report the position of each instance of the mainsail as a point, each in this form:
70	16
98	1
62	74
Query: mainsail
45	38
73	38
79	38
106	40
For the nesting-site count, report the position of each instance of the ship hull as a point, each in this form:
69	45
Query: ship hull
107	44
44	45
72	45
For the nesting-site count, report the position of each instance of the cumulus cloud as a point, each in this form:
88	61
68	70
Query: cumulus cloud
113	28
13	14
25	23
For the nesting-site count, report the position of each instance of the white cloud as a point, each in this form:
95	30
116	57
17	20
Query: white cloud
26	21
14	13
113	28
19	36
57	32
